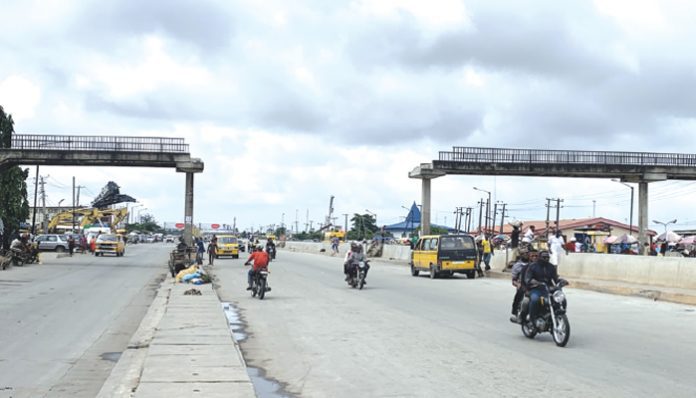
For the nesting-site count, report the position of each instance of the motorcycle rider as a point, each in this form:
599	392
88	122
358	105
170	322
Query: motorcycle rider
260	259
270	248
538	277
353	257
518	270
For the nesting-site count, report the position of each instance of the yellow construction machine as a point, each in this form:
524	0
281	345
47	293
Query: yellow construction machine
87	216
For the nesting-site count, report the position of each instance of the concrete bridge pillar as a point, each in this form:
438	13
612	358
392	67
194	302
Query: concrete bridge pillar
642	214
190	168
188	210
425	211
425	172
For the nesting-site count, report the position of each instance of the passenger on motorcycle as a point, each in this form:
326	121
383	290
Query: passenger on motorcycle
539	275
518	270
353	257
260	259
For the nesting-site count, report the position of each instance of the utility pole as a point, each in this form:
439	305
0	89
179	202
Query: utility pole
73	204
558	213
234	224
297	228
79	187
488	213
502	217
307	221
495	213
345	225
44	219
548	214
469	214
36	191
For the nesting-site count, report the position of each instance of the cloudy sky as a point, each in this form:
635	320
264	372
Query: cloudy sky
288	103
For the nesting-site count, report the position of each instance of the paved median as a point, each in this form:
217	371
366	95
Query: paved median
182	348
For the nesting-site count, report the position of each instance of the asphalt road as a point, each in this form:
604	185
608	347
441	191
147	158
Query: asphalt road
414	337
63	323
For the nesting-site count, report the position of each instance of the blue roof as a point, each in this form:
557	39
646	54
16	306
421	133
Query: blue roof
412	222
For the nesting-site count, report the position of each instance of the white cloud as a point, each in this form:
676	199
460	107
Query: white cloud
20	96
289	103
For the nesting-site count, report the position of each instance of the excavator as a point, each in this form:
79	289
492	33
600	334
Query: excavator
89	216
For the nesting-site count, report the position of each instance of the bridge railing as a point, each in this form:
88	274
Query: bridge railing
545	156
99	143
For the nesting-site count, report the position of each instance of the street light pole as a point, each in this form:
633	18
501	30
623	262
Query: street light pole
140	220
665	224
630	224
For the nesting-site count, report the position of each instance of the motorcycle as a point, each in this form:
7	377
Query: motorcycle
357	274
271	250
552	317
259	284
21	257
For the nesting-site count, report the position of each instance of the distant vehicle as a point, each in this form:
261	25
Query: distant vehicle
56	242
149	239
109	244
169	239
227	245
443	255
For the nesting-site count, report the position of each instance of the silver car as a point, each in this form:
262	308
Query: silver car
55	242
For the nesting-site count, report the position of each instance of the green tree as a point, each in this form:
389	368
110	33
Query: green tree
14	206
280	231
147	224
364	227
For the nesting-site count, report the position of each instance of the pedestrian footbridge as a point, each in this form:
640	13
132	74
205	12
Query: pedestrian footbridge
93	150
636	167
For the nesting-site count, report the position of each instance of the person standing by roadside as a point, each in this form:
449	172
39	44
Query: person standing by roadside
200	251
556	247
487	251
71	244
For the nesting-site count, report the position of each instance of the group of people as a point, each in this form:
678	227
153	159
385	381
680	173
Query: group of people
201	250
532	274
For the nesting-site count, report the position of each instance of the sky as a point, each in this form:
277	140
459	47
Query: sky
289	103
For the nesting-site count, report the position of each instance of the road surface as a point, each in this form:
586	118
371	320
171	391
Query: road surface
64	323
407	336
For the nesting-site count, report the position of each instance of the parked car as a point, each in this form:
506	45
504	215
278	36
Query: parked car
58	243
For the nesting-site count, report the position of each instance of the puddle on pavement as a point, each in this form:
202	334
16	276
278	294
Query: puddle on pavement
263	387
111	356
234	322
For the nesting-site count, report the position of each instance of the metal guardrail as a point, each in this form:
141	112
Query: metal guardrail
99	143
544	156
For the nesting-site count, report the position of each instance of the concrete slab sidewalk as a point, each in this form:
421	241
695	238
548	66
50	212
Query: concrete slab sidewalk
183	348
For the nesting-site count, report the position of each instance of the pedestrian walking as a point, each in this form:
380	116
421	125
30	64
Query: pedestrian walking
212	247
334	246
